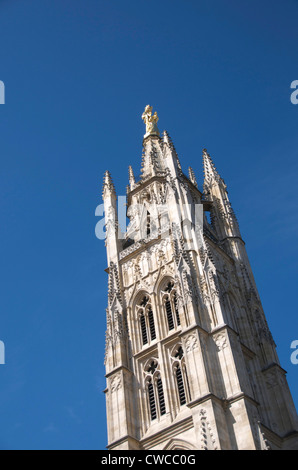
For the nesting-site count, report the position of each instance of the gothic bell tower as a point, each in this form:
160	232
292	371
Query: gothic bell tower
190	361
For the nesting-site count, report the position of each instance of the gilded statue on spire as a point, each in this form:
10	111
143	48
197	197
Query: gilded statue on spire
150	121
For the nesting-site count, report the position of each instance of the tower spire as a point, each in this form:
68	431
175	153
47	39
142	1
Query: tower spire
210	172
192	176
131	176
170	150
190	360
108	185
223	216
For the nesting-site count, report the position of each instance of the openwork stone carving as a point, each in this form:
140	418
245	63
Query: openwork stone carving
220	341
116	383
191	343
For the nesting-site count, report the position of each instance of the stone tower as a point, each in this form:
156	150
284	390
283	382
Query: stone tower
190	361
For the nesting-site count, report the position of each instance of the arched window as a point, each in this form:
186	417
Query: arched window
180	385
161	398
146	320
155	394
151	323
151	400
143	328
170	303
181	377
169	313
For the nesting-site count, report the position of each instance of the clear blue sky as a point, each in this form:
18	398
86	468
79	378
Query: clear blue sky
78	74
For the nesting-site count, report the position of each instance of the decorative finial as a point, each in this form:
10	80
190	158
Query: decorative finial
108	185
150	121
131	176
192	177
211	173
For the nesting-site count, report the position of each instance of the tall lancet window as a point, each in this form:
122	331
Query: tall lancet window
181	376
148	224
170	303
155	393
146	321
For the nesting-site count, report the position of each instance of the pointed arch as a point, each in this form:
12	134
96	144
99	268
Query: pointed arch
162	280
168	296
179	444
180	374
148	363
148	218
154	389
138	296
144	318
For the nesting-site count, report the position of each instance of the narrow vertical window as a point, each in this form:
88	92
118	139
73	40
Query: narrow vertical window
169	314
156	399
151	324
180	386
148	224
171	306
161	398
176	308
151	401
143	329
146	321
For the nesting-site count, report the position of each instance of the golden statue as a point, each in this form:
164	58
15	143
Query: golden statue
150	121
